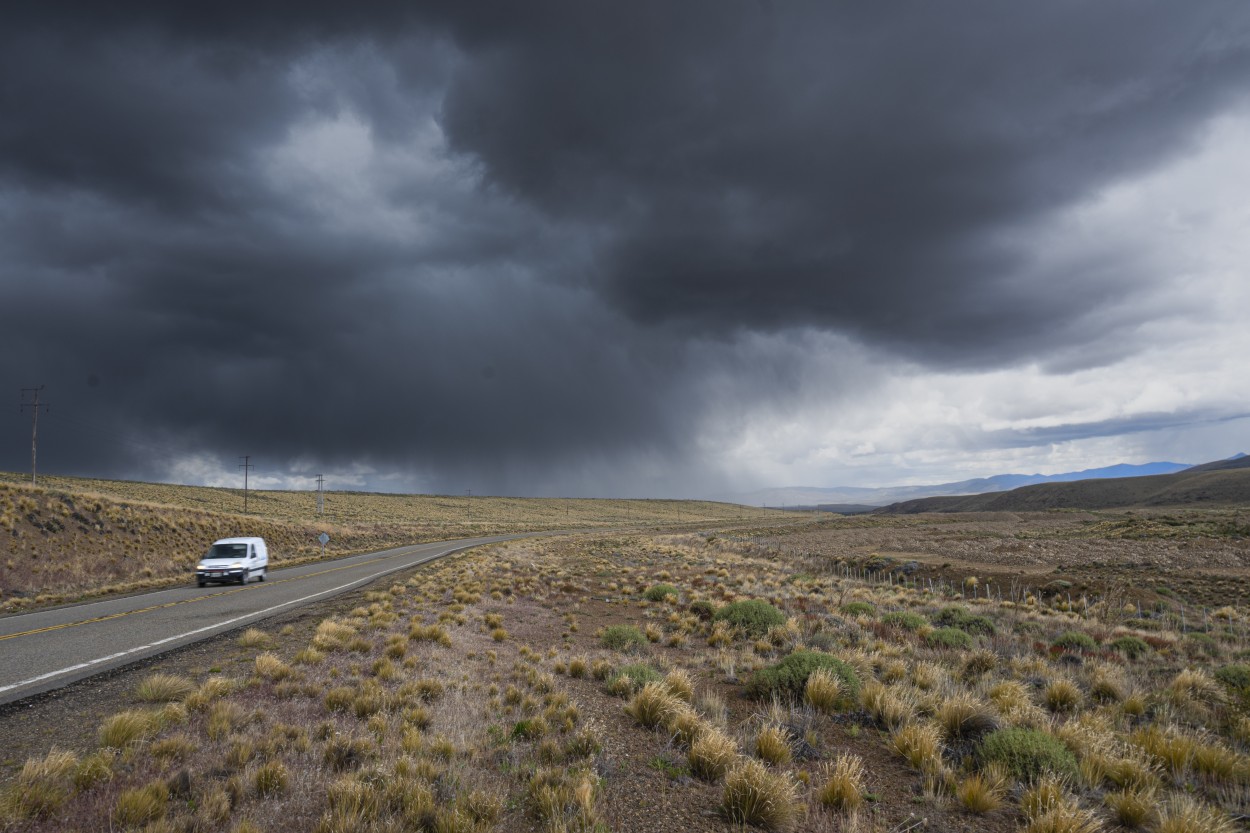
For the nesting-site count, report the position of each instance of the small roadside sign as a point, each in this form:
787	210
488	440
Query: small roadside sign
324	539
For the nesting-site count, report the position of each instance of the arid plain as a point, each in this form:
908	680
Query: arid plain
1058	671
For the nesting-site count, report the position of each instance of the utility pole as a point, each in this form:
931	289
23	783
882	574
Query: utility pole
468	509
34	406
321	505
246	465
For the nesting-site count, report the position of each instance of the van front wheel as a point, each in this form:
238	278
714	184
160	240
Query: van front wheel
262	574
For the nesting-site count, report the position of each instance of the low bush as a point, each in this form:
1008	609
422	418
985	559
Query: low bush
789	677
752	617
858	609
904	619
659	592
1235	676
956	616
1074	641
630	678
1027	753
949	638
622	638
703	609
1131	646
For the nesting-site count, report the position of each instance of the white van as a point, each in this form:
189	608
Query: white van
233	560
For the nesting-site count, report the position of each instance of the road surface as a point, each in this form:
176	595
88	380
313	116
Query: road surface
48	649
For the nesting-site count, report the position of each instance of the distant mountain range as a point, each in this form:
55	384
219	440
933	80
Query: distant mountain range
1221	483
852	498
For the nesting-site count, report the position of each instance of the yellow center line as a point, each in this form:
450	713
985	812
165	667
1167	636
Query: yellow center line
258	586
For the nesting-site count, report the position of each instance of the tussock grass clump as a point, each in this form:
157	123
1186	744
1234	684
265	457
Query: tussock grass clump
164	688
886	706
564	800
823	690
436	633
711	754
254	638
626	638
1193	687
1166	746
919	744
964	717
1065	816
332	635
270	779
788	678
755	796
41	787
772	744
1182	814
125	728
1027	754
679	684
1062	696
1132	808
980	793
141	805
271	667
653	705
843	787
751	617
223	718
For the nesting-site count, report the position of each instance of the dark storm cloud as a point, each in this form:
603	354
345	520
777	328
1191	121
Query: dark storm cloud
569	218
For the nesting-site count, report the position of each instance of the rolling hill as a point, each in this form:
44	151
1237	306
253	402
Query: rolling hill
1220	483
861	499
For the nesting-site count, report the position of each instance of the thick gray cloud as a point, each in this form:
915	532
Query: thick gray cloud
534	247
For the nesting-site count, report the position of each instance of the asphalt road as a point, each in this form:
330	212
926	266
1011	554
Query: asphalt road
49	649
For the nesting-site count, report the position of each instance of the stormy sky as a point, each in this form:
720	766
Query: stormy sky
642	249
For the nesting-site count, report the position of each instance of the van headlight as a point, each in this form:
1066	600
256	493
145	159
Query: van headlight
236	565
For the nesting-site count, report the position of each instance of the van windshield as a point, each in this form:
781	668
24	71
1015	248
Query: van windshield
227	551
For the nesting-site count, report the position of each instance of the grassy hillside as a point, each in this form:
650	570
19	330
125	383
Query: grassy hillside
73	536
1193	487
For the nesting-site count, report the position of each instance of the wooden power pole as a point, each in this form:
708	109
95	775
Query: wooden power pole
34	406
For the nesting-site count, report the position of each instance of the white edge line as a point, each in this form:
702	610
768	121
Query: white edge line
80	666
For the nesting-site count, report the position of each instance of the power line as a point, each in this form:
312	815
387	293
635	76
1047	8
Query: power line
246	465
34	423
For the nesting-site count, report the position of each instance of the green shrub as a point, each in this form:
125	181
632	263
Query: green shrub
1235	676
637	674
789	677
1131	646
752	617
1027	753
659	592
1075	641
703	609
1205	643
948	638
622	638
956	616
858	609
904	619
